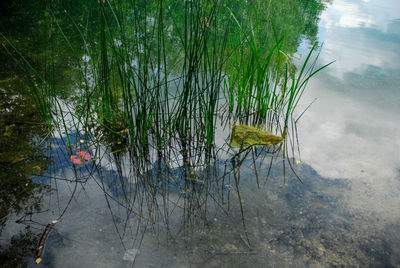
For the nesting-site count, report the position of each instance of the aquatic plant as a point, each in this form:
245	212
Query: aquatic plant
243	135
155	80
156	76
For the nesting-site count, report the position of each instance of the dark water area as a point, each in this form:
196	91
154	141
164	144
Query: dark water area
333	201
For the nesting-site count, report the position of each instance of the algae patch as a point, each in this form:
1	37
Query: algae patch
244	135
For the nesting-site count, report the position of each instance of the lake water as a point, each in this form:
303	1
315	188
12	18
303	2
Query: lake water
248	214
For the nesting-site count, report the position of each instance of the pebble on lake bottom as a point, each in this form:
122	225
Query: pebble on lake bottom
130	255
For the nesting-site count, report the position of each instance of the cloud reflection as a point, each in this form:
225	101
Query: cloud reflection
353	130
359	34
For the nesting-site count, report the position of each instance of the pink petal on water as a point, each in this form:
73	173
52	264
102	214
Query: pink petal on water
77	160
85	155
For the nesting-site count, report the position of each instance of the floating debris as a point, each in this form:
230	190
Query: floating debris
243	135
85	155
8	131
124	130
77	160
40	248
228	187
13	157
81	157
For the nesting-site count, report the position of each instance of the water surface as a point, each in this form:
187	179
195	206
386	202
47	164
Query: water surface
247	214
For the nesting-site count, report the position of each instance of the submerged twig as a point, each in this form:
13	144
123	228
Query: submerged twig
40	248
232	253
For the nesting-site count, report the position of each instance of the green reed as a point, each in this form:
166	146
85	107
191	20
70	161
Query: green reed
136	83
262	88
159	73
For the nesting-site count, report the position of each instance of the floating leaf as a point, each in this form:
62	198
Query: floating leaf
85	155
243	135
12	157
17	160
76	159
124	130
81	157
298	161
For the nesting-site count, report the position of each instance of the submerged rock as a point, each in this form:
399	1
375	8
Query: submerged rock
243	135
130	254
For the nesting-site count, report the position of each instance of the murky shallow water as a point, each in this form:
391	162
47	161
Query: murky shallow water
345	212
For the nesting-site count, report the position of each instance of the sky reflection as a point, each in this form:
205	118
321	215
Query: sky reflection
352	131
359	34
